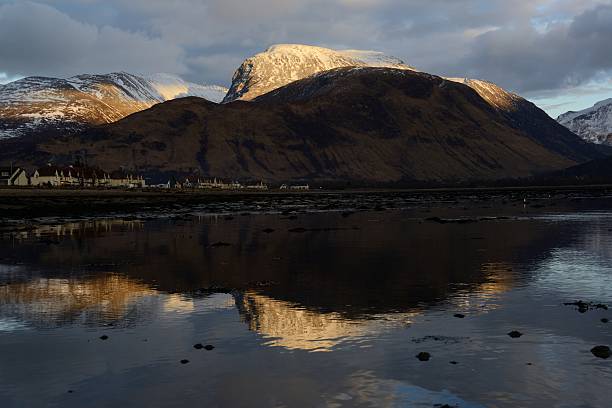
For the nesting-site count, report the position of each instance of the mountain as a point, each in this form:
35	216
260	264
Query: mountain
367	126
593	124
38	105
282	64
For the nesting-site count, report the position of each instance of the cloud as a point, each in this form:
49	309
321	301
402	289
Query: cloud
566	54
36	39
529	46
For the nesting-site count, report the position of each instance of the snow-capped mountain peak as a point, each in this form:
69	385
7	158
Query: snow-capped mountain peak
593	124
39	104
282	64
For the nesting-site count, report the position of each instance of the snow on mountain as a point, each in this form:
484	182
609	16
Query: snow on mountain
170	87
282	64
593	124
492	93
39	104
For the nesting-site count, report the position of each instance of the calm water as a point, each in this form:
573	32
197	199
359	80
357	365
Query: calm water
326	310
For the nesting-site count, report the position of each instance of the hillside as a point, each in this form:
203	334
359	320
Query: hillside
592	124
38	106
369	126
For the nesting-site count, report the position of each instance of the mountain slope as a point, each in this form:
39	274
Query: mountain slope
370	126
52	105
282	64
592	124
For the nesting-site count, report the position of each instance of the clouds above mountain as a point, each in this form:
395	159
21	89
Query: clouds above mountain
530	46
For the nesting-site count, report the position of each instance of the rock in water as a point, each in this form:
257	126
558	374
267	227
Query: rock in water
423	356
184	361
198	346
208	347
601	352
515	334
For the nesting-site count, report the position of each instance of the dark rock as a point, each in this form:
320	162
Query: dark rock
459	315
601	352
454	362
451	221
268	230
220	244
423	356
605	320
515	334
298	230
198	346
104	337
584	307
209	347
184	361
70	391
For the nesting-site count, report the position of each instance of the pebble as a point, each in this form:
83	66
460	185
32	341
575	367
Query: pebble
184	361
104	337
601	352
515	334
423	356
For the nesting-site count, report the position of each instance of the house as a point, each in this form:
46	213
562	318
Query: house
84	176
259	186
48	175
216	184
120	178
304	187
13	176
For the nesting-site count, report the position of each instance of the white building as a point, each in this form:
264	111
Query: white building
13	176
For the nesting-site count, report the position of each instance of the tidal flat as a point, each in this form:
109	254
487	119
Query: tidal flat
459	299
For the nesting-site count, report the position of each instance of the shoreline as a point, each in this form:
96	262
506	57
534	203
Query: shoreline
27	205
99	192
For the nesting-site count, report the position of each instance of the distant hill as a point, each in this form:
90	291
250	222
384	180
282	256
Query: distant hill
38	106
592	124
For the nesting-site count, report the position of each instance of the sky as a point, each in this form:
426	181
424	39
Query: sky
556	53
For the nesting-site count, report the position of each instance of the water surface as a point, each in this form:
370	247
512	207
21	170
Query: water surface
319	308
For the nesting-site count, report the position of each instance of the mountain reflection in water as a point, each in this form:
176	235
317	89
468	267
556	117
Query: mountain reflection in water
371	290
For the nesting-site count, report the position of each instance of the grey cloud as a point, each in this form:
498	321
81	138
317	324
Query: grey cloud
566	55
207	39
37	39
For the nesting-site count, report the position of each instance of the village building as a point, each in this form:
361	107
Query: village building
81	176
258	186
123	179
13	176
49	175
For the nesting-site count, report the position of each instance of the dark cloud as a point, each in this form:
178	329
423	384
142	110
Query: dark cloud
530	46
565	55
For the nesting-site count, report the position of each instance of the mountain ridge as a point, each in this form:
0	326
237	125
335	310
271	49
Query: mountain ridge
593	124
366	126
56	105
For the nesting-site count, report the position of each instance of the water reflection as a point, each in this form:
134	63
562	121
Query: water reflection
370	291
95	301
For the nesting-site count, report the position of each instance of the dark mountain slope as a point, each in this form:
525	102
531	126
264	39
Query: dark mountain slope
364	125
